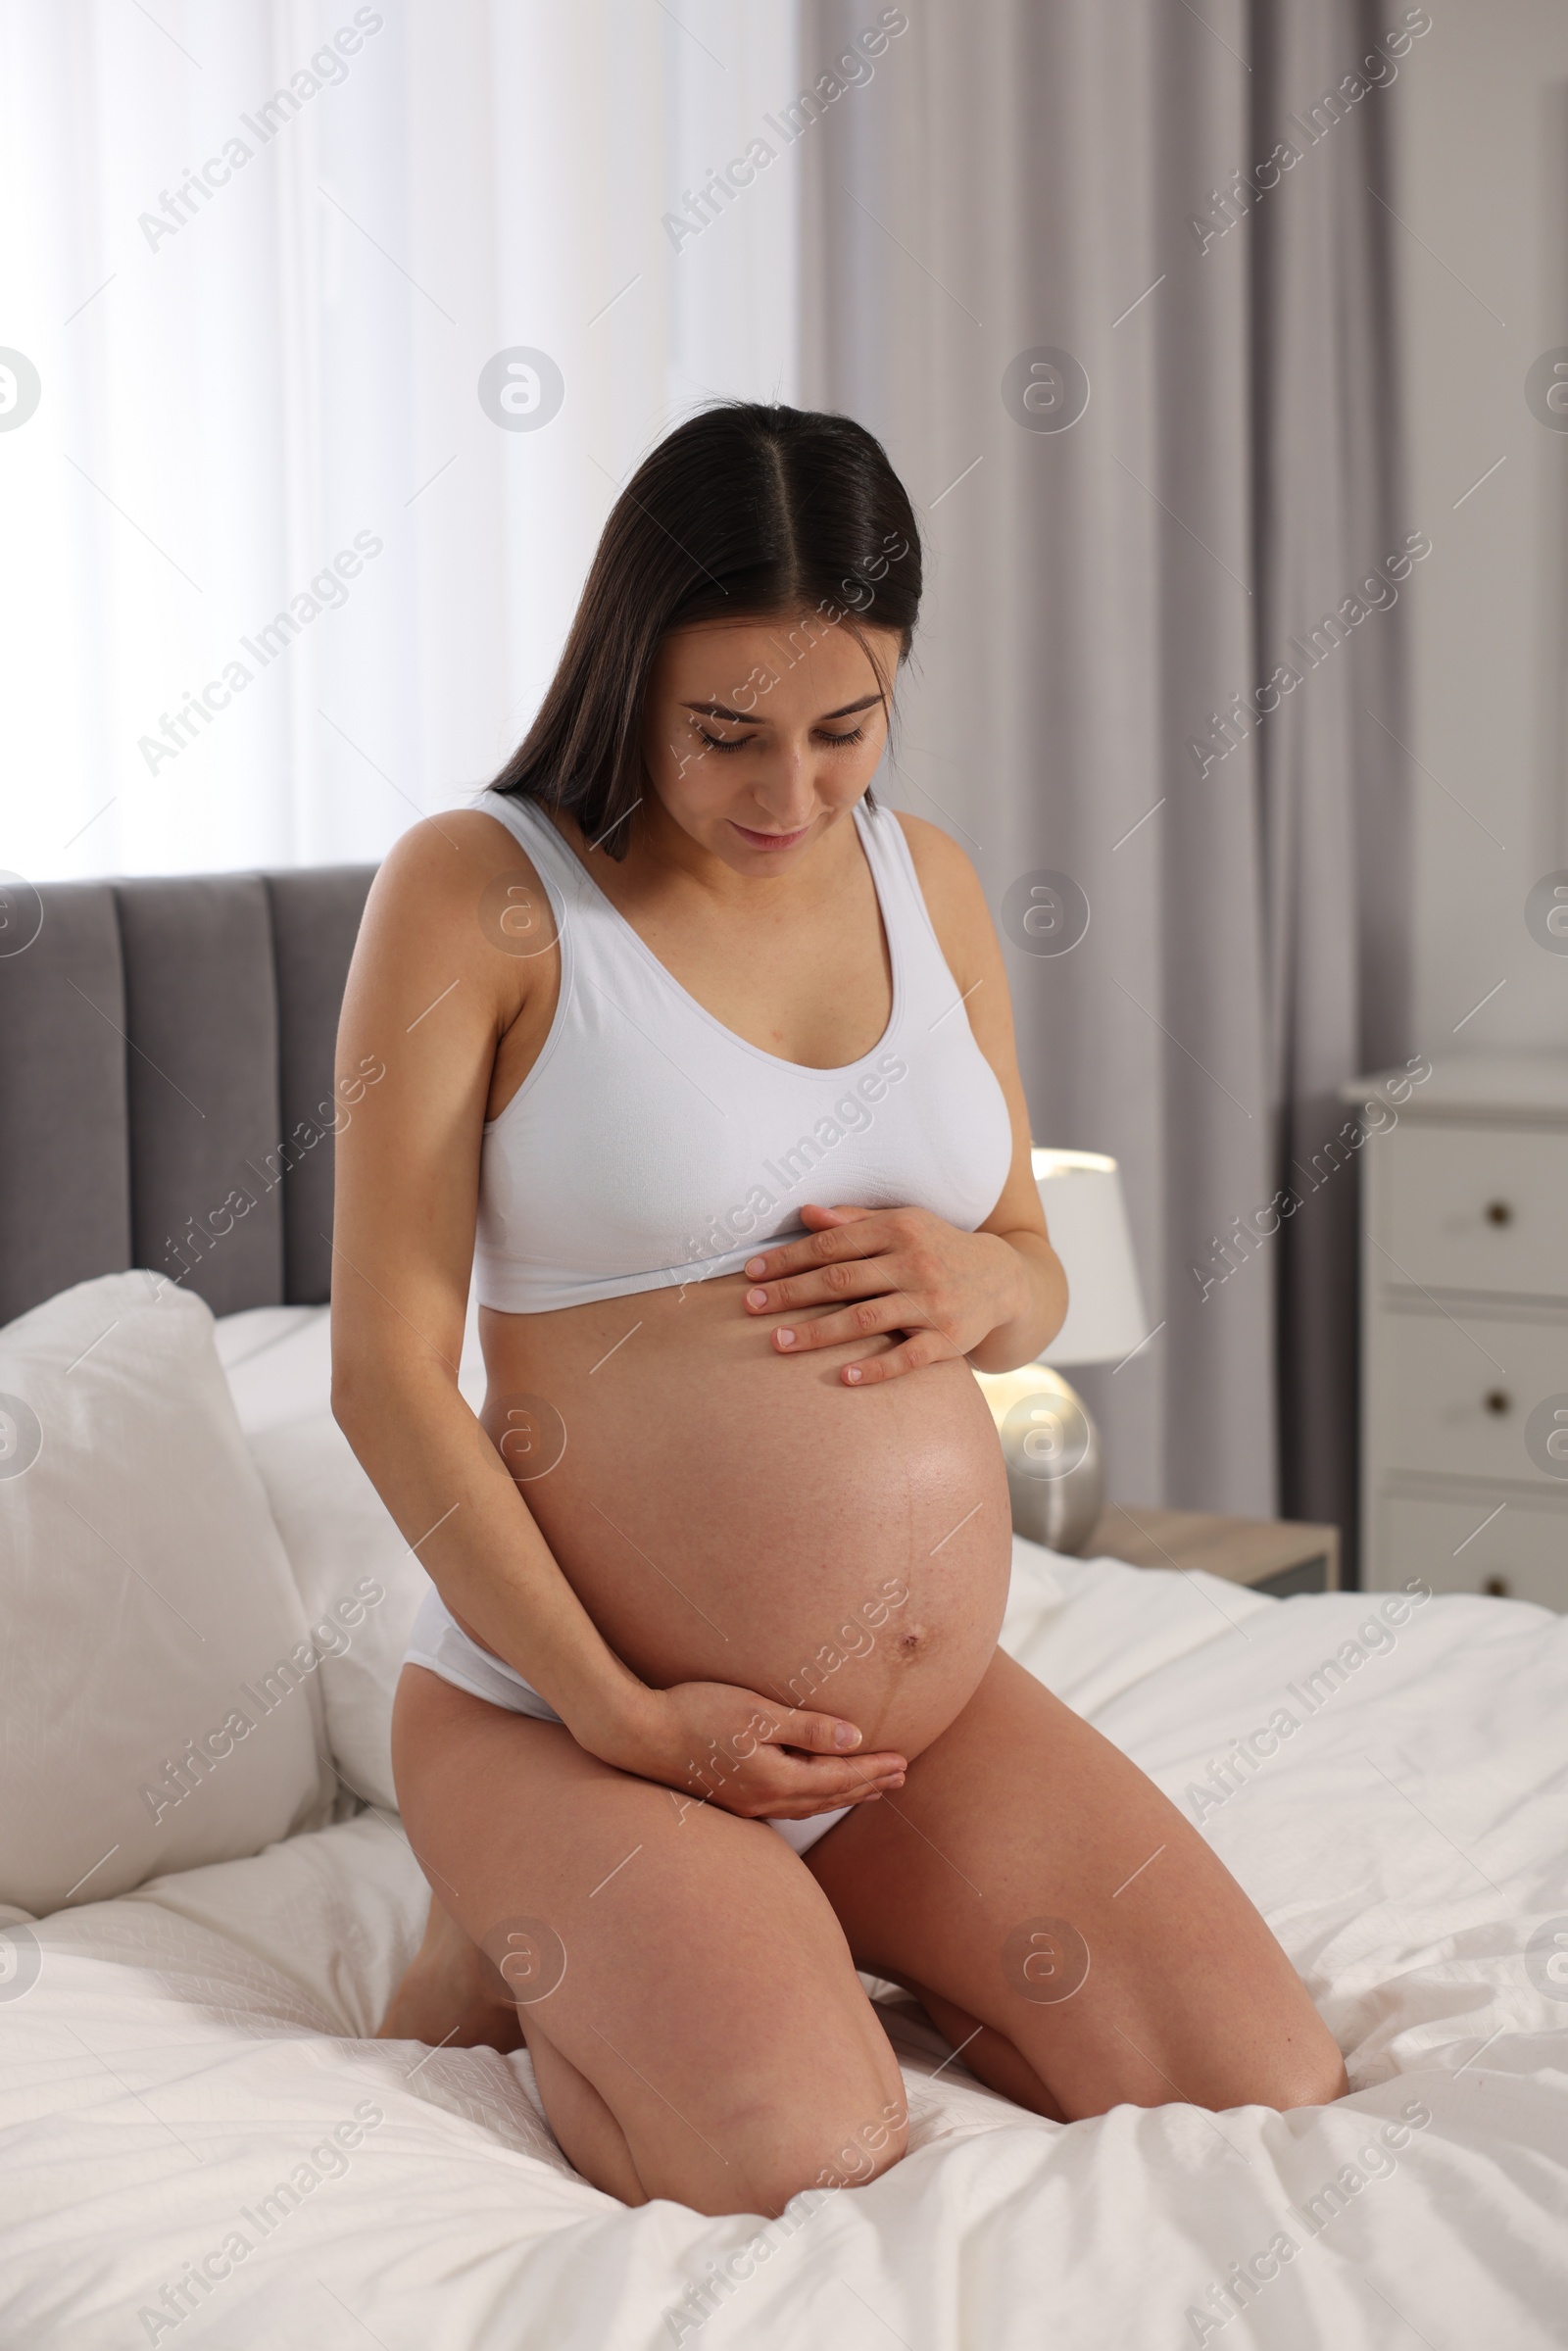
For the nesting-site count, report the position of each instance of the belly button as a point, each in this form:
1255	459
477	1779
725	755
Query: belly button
911	1643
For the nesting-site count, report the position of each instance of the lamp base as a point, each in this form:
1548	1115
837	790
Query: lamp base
1056	1469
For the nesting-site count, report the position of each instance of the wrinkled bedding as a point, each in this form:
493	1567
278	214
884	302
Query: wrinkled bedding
202	2144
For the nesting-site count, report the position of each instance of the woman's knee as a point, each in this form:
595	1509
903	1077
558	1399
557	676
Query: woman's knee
869	2144
812	2134
1288	2058
810	2099
1311	2076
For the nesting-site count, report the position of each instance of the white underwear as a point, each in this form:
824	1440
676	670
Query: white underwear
439	1643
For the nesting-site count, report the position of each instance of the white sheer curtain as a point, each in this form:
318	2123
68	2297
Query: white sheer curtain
260	395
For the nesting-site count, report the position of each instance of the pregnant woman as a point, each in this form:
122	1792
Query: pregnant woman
701	1062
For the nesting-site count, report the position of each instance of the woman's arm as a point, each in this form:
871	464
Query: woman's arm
997	1294
961	920
431	999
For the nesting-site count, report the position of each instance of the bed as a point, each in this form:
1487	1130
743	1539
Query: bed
186	2060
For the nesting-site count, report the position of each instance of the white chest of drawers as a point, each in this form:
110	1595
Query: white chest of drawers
1464	1327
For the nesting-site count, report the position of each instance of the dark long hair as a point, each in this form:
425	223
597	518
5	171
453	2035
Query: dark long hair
742	511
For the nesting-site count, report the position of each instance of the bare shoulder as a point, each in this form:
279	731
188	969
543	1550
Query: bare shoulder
449	853
956	901
945	872
954	894
457	894
465	868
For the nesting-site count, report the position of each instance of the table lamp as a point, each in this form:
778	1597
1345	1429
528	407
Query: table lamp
1056	1472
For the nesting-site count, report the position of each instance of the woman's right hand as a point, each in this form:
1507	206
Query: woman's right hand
713	1742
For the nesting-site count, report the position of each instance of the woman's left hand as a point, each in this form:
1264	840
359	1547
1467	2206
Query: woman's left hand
906	1270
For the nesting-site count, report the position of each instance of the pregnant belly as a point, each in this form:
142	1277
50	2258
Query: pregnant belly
729	1514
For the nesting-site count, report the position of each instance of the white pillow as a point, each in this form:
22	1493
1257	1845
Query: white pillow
157	1684
360	1582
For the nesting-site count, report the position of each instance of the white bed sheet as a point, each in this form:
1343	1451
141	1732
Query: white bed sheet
280	1362
184	2048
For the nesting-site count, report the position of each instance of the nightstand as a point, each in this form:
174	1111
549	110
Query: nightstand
1464	1326
1278	1556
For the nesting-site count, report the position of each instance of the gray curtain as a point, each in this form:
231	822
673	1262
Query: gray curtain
1021	178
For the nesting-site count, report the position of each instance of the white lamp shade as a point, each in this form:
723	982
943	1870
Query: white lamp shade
1086	1219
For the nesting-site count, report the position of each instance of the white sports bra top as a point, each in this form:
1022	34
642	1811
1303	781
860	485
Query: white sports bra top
648	1146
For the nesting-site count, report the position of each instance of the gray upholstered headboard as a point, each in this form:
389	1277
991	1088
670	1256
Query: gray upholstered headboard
163	1045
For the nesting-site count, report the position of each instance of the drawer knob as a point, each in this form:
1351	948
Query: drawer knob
1497	1399
1498	1212
1496	1588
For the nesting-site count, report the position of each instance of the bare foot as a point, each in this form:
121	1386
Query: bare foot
452	1996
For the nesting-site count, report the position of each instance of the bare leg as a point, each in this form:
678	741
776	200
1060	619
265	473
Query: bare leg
698	2032
1031	1878
450	1998
453	1998
591	2138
